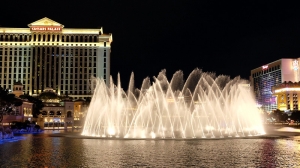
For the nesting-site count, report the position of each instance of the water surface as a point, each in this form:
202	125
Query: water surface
41	150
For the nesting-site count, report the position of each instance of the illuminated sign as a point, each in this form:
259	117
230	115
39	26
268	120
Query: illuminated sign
287	89
46	28
265	67
295	65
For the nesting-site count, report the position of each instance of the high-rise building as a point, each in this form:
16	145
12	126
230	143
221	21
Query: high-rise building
46	54
265	77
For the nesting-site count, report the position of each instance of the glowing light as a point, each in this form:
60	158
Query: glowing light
153	135
265	67
111	131
287	89
151	115
209	128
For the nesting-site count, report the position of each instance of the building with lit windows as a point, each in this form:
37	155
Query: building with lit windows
265	77
18	113
287	95
46	54
59	112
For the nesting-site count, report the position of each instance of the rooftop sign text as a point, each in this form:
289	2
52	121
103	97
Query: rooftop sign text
45	28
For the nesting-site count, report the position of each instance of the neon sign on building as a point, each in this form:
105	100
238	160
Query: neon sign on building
45	28
265	67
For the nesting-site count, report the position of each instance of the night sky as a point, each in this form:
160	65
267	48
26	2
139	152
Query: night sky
229	38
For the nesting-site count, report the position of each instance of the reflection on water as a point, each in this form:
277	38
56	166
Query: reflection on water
43	151
288	129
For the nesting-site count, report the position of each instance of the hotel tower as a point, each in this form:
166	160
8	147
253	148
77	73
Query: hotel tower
273	79
47	55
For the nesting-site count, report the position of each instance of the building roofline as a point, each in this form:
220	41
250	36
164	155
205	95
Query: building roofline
279	60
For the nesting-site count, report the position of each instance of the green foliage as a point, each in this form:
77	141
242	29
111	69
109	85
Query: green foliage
8	101
37	127
18	125
8	98
23	125
295	115
280	116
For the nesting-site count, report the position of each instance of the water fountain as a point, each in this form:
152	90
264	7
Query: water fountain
205	106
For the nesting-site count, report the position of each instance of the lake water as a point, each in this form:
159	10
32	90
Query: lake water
42	150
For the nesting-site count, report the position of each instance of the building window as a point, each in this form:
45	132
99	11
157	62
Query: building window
69	114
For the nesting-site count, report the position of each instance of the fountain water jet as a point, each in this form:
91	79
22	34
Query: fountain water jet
203	106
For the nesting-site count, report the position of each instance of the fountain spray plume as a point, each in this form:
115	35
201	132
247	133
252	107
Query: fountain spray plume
204	106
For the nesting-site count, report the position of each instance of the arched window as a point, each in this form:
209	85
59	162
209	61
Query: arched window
44	113
51	113
69	114
58	113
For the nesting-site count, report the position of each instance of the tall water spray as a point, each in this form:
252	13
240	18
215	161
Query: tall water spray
205	106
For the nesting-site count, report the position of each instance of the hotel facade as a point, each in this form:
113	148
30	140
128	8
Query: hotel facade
268	77
47	55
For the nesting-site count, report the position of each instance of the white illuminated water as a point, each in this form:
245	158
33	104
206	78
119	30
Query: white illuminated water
204	106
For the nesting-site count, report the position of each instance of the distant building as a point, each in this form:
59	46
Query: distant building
46	54
20	113
287	95
265	77
60	112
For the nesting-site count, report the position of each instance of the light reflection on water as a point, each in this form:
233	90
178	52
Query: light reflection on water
288	129
43	151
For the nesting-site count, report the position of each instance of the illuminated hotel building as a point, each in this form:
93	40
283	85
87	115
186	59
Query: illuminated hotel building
265	77
48	55
287	95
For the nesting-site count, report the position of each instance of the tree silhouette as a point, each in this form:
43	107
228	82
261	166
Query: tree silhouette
7	102
295	115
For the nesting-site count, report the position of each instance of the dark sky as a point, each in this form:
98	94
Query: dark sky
228	38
